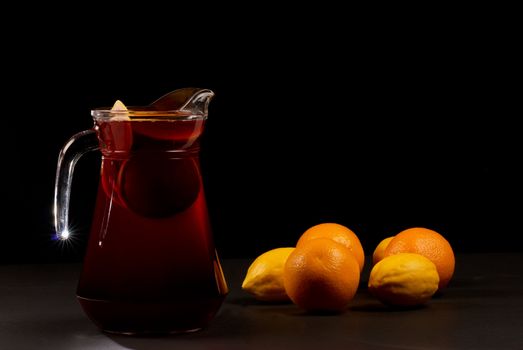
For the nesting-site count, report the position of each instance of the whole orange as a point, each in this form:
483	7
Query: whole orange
428	243
379	252
321	275
338	233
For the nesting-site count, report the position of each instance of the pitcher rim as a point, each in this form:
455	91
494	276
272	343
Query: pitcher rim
134	114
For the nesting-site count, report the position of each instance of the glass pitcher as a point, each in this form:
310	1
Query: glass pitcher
150	264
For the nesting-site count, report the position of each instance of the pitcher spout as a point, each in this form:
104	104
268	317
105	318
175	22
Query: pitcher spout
192	100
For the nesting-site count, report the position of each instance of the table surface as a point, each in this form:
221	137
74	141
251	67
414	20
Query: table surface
481	309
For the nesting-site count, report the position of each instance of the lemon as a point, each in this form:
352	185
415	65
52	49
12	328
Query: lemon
264	278
119	107
119	112
404	279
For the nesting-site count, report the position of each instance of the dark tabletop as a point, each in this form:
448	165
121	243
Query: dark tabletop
481	309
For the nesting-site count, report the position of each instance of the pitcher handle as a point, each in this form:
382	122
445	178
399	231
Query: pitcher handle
77	146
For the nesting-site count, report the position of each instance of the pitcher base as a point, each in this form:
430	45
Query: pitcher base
152	333
150	318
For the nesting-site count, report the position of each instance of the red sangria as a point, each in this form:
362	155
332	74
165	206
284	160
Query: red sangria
150	265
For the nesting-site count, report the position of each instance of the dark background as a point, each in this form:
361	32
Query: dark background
379	131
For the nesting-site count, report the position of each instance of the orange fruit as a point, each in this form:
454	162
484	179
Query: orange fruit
428	243
321	275
339	234
380	250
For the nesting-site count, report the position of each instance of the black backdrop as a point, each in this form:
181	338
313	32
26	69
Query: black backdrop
377	137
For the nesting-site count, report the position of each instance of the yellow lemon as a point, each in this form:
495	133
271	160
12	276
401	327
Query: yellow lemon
264	279
379	252
404	279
